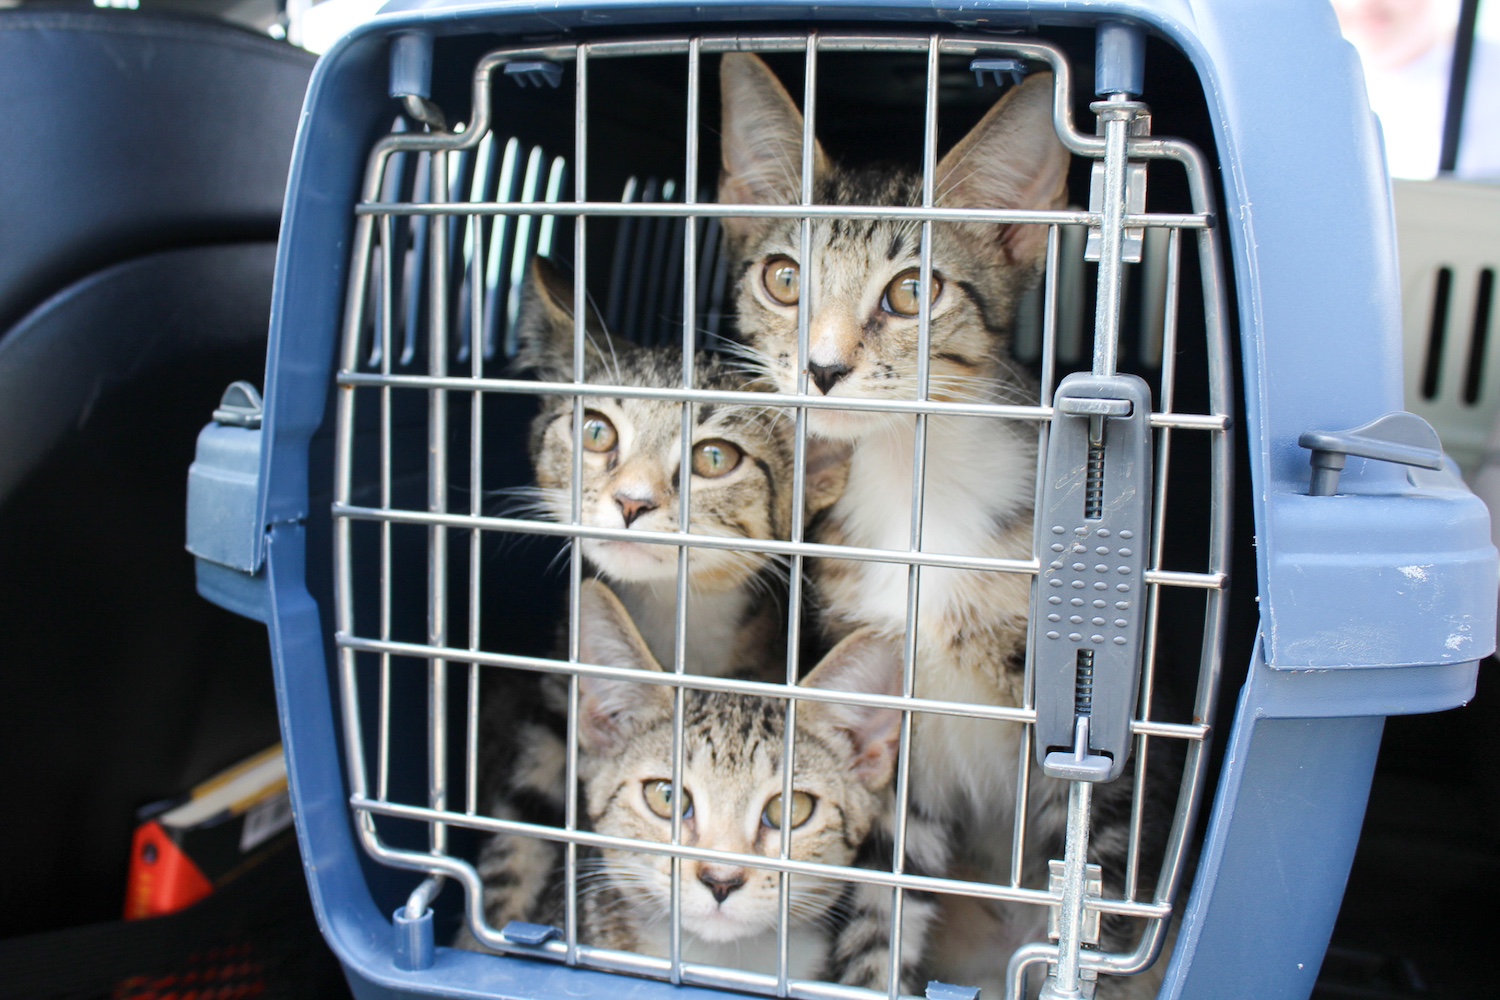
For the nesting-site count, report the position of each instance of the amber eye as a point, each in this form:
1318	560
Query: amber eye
802	807
712	459
598	433
658	792
902	296
783	280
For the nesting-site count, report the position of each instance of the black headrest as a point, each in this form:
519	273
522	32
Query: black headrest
128	133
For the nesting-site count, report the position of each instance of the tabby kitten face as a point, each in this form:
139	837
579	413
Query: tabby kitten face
731	779
632	450
861	283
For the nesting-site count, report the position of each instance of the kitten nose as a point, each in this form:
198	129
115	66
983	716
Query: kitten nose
721	882
826	376
633	507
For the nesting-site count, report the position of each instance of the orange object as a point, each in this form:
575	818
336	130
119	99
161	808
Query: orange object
162	878
225	826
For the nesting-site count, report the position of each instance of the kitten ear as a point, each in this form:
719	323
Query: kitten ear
867	662
827	472
1011	159
544	326
610	710
762	141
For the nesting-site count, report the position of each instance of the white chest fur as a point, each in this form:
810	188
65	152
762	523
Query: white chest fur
978	474
807	951
714	620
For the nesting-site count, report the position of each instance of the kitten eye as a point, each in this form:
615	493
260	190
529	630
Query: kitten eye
658	794
712	459
901	295
598	433
783	280
802	807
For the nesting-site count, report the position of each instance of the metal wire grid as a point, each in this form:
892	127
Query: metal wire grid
377	218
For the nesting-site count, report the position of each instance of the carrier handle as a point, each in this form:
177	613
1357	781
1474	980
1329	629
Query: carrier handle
1400	437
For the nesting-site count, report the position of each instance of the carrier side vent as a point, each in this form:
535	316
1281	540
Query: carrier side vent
487	254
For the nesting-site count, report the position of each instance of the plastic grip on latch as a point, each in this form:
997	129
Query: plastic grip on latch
1399	437
1093	547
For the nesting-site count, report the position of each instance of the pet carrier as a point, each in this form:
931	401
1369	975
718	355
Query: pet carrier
1232	232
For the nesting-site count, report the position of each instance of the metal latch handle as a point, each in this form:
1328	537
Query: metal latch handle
1399	437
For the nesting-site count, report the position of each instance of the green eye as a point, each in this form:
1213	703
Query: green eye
903	295
658	793
783	280
599	434
802	807
712	459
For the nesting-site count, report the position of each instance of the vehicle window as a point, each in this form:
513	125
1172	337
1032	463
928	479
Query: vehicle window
1407	48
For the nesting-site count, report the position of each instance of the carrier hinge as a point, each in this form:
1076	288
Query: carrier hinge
411	78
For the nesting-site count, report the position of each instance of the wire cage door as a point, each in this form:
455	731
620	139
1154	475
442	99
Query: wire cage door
447	221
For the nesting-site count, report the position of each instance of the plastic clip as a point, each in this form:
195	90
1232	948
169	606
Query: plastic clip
535	73
533	935
998	69
1400	437
240	406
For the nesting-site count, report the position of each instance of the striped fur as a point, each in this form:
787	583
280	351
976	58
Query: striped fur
732	770
736	598
980	474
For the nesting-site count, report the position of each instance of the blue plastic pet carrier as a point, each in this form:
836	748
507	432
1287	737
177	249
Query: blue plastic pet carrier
1220	303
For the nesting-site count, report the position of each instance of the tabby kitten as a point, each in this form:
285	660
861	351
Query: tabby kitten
864	295
740	474
731	801
740	461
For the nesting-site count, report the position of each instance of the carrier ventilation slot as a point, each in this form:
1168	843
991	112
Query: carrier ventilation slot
1436	333
1484	300
644	302
490	250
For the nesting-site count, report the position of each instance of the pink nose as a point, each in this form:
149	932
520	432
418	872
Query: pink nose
633	507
